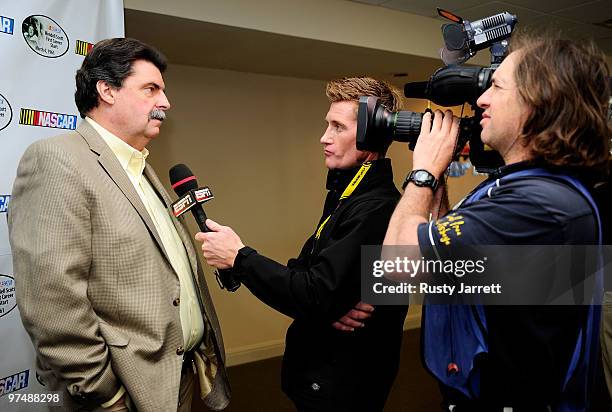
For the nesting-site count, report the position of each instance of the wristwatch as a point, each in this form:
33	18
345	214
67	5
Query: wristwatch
242	254
421	178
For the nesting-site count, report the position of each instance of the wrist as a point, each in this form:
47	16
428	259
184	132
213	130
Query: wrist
422	178
435	171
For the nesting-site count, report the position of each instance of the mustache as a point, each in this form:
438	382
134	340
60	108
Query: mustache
157	114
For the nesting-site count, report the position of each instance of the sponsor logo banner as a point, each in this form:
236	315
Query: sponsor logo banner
32	117
7	25
44	36
4	202
6	112
82	47
15	382
8	300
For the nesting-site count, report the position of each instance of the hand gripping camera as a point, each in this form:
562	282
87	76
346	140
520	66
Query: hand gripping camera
451	85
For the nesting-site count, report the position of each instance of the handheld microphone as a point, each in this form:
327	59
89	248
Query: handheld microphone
191	198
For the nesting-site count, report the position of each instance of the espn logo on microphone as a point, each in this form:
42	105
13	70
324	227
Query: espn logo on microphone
183	204
203	195
190	199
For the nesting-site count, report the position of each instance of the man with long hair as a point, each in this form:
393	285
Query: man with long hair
546	114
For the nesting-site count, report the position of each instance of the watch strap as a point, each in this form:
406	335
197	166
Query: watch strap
431	181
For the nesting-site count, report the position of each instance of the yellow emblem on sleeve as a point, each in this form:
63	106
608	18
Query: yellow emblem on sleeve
450	225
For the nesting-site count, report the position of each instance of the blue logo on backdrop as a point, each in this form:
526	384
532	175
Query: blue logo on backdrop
7	25
4	202
15	382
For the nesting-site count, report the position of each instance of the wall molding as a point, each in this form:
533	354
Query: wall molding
255	352
274	348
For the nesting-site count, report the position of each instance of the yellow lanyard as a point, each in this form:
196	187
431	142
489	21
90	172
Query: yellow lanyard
347	193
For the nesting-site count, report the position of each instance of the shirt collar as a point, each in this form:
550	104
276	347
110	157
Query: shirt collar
132	160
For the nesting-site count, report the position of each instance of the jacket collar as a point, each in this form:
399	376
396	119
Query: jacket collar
338	179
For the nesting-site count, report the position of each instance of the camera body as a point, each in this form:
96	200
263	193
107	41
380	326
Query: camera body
451	85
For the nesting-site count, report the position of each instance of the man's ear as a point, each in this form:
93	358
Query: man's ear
106	92
369	156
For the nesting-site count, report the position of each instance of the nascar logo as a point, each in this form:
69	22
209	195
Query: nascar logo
4	202
14	382
31	117
7	25
82	47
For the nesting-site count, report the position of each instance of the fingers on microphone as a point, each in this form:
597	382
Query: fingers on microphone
212	225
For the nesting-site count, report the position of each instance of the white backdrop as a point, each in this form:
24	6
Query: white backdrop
42	44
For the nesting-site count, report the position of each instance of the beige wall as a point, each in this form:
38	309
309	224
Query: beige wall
336	21
254	139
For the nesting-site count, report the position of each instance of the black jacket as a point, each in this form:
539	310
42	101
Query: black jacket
323	368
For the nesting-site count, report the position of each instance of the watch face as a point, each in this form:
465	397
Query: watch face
421	176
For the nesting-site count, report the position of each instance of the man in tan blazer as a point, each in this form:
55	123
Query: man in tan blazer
108	283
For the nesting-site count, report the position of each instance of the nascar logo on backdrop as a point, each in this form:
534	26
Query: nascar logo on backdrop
44	36
82	47
6	112
15	382
8	300
31	117
7	25
4	202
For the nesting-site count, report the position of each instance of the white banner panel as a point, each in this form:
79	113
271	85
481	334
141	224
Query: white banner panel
42	44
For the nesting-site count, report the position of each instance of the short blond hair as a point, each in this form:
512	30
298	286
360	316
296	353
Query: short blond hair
350	88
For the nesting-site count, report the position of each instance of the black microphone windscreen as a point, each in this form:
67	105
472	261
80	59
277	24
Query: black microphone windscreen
182	179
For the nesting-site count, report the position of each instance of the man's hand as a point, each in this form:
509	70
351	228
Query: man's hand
353	319
433	152
219	246
434	148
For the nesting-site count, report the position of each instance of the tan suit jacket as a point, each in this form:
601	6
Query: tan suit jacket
95	288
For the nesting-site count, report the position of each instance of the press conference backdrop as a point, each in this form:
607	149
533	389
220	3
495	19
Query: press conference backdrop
42	44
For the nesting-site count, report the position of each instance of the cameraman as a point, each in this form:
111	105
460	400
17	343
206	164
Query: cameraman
331	365
545	113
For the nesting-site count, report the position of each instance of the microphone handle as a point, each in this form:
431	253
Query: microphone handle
200	218
225	277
